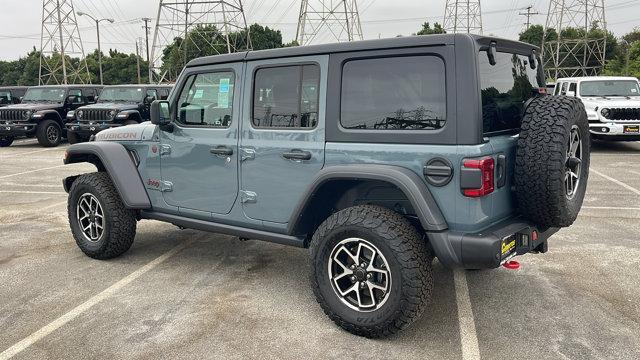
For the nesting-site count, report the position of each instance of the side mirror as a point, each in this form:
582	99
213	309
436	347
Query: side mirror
149	99
74	99
160	113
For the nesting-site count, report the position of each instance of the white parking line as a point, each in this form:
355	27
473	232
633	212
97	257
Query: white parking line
611	208
634	172
110	291
33	192
31	171
468	336
26	153
628	187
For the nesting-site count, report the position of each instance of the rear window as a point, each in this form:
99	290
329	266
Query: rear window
505	88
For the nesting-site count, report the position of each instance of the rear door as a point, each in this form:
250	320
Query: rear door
199	156
505	89
283	134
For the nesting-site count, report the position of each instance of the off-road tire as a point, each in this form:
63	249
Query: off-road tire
541	160
119	222
409	263
42	133
74	138
6	141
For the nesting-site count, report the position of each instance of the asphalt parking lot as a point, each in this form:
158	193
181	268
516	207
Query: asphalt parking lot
188	294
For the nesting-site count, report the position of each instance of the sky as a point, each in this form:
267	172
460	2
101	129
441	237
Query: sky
20	21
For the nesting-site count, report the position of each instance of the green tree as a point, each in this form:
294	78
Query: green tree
427	30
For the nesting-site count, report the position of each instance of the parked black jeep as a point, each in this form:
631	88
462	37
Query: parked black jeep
43	111
118	105
11	95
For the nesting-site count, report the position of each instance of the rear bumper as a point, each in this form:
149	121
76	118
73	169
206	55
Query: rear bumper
491	247
87	129
17	129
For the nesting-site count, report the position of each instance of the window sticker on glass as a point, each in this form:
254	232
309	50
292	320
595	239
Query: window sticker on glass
223	100
223	86
198	94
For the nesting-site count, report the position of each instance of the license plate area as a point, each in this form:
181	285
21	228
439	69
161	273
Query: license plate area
631	129
507	247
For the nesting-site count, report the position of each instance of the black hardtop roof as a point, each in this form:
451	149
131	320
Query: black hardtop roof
13	87
75	86
378	44
139	86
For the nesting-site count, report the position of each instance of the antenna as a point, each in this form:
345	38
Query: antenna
581	55
462	16
59	39
216	27
332	20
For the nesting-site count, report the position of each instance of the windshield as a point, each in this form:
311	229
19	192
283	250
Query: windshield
44	94
121	94
609	88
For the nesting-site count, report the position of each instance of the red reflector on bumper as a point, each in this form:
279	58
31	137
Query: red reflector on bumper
511	265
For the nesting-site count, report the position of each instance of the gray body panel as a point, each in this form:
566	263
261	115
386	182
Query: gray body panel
266	172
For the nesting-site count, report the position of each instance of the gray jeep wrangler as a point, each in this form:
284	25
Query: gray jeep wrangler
378	156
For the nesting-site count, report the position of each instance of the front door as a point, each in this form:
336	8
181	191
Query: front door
199	154
283	139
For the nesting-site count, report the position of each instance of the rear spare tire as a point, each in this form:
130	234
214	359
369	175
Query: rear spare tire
552	160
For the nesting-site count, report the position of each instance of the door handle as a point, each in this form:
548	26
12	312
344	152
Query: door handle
501	170
297	154
221	150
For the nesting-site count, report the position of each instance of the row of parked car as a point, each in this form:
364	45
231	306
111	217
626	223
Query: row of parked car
74	112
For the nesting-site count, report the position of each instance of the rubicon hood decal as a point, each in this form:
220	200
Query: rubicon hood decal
123	133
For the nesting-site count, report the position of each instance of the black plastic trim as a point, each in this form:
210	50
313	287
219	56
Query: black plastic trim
225	229
407	181
118	164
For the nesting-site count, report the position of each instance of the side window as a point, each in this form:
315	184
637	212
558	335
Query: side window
152	93
164	94
78	94
556	90
90	95
572	87
207	100
396	93
286	97
563	91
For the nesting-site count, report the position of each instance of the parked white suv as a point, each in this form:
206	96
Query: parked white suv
612	104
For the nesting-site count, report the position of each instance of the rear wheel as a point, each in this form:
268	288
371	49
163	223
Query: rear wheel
6	141
371	270
48	133
101	225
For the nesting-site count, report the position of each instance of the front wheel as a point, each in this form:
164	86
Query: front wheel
6	141
371	270
48	133
101	225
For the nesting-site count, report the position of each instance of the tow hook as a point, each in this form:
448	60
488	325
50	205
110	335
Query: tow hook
511	265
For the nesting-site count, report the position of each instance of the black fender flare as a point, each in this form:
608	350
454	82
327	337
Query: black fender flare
133	114
117	162
47	114
410	183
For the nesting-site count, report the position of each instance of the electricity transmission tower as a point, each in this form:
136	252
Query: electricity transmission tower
462	16
59	42
333	20
203	27
578	38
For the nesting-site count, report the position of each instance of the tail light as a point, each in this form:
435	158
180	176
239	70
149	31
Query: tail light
484	168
